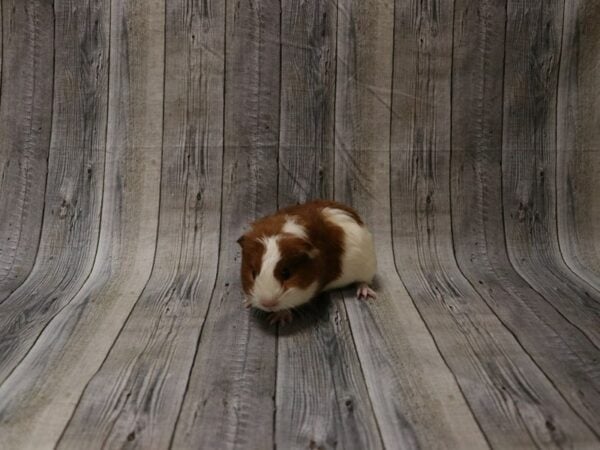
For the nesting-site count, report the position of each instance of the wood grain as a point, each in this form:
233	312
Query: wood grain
39	396
494	373
478	228
138	139
321	399
155	350
414	396
229	401
73	197
308	36
25	122
578	140
529	186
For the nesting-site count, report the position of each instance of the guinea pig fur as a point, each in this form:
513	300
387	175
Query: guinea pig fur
292	255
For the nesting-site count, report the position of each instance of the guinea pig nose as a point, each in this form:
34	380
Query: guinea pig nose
269	302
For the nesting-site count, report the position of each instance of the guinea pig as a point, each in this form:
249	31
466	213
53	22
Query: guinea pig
300	251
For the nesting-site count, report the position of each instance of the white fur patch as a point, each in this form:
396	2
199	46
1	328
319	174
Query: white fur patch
295	296
294	228
266	286
359	263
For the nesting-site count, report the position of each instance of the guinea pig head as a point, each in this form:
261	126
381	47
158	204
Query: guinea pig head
278	271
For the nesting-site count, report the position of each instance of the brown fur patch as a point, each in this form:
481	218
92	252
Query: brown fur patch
252	253
298	258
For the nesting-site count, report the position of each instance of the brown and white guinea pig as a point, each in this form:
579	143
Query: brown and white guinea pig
300	251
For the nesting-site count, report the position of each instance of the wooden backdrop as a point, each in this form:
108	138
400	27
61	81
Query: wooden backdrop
139	137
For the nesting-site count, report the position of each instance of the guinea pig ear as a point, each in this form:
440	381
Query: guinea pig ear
241	240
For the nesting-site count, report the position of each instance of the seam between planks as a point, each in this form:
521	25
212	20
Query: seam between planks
29	119
362	372
531	358
502	206
39	243
418	311
277	332
85	280
218	262
155	243
475	291
393	251
459	387
279	102
334	137
2	47
571	269
350	328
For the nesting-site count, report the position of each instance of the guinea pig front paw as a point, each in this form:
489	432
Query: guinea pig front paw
364	292
281	317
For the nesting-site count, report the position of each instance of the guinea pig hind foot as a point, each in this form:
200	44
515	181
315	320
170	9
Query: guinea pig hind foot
364	292
282	317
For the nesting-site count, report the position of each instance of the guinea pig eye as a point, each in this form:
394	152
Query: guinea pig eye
285	273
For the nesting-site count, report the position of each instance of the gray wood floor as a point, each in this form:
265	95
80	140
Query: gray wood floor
137	140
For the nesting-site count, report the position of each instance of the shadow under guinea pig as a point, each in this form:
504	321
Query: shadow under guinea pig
305	316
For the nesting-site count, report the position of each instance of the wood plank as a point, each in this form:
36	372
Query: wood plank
322	399
578	137
308	33
38	398
515	405
2	149
151	360
415	397
529	176
25	124
76	170
229	401
478	227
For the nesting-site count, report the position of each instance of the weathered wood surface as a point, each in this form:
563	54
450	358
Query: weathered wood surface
477	221
578	140
529	176
39	396
394	346
321	399
230	398
155	350
25	120
308	49
511	399
73	198
137	141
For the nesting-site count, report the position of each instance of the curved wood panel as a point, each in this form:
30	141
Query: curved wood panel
529	164
39	396
495	374
155	350
404	370
73	197
578	140
547	337
25	121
